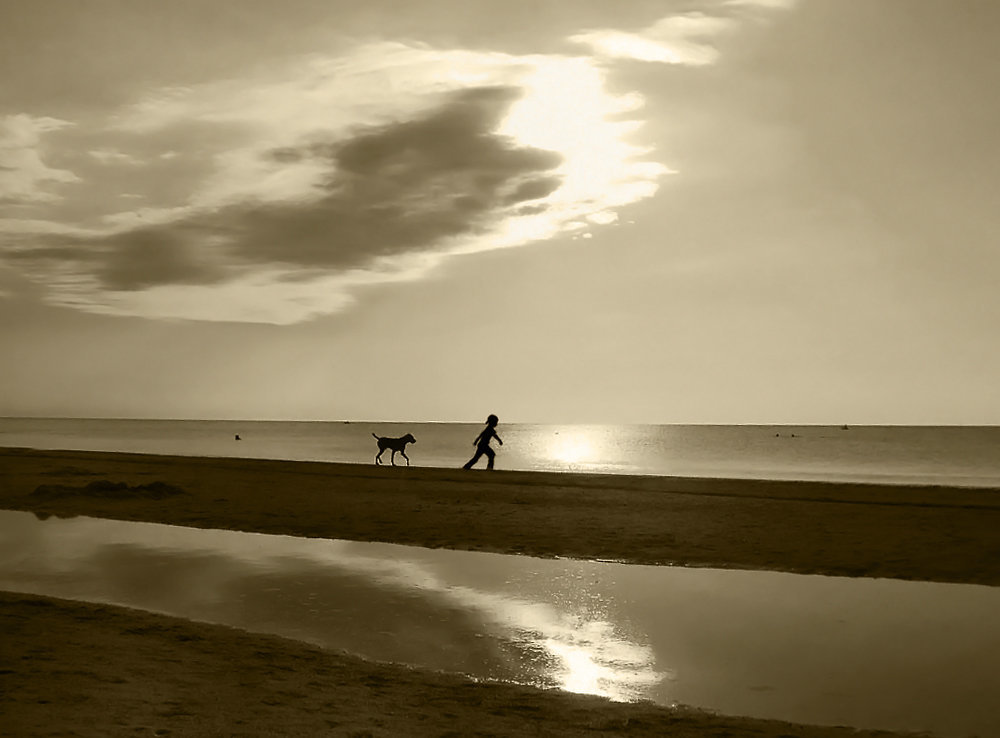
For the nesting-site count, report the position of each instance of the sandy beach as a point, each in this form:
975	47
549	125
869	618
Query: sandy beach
76	669
905	532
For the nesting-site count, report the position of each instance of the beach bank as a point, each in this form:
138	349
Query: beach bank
71	668
929	533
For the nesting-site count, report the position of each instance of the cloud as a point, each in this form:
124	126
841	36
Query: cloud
689	39
766	4
390	190
15	227
341	172
676	39
113	156
142	258
406	186
24	176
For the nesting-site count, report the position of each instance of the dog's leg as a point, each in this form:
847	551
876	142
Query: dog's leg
393	457
405	456
378	456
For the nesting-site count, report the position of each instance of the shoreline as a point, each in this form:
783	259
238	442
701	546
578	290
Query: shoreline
927	532
969	483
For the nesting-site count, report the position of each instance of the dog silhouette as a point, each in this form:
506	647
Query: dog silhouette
396	444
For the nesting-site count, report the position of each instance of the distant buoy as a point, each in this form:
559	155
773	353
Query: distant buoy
238	437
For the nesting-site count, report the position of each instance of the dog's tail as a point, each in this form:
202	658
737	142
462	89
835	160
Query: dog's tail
375	437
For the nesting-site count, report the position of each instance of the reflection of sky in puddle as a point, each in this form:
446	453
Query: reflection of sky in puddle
377	600
828	650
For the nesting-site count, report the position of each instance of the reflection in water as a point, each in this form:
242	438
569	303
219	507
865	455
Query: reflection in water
573	448
363	598
580	447
827	650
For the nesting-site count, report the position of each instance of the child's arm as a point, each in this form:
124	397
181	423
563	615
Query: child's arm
499	440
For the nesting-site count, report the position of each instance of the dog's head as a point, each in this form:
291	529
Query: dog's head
409	439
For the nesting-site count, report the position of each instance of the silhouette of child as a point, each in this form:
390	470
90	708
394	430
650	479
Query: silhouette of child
482	443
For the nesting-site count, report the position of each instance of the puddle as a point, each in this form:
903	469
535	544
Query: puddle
872	653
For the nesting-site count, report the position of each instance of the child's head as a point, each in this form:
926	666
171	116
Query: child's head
492	420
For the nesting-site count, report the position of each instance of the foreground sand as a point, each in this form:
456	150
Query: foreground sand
88	670
75	669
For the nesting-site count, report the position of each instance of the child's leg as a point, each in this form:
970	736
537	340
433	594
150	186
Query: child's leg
490	455
471	462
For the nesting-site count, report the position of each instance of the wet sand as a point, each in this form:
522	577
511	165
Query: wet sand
77	669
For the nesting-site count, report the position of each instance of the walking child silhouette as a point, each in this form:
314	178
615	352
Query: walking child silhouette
482	443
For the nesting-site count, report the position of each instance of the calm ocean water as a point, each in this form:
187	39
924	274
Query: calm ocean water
960	455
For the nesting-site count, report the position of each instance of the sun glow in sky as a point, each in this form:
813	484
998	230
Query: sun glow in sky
736	213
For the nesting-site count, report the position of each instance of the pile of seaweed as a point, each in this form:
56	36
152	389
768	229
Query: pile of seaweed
110	490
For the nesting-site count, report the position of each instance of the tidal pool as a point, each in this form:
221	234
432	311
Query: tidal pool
872	653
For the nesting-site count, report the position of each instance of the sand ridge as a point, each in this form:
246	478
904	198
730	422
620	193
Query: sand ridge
907	532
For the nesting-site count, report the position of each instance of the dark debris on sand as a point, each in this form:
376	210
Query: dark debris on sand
107	489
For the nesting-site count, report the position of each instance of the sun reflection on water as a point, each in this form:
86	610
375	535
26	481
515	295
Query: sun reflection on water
574	449
604	665
580	654
577	445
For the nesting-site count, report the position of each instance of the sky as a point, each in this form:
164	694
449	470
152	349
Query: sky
647	211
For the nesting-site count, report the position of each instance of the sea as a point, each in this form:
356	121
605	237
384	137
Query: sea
966	456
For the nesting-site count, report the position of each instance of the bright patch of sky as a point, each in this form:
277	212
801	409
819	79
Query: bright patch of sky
24	176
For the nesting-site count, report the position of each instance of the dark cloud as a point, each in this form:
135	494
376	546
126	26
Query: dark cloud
151	256
393	189
455	137
285	155
533	189
403	187
531	210
52	253
133	260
